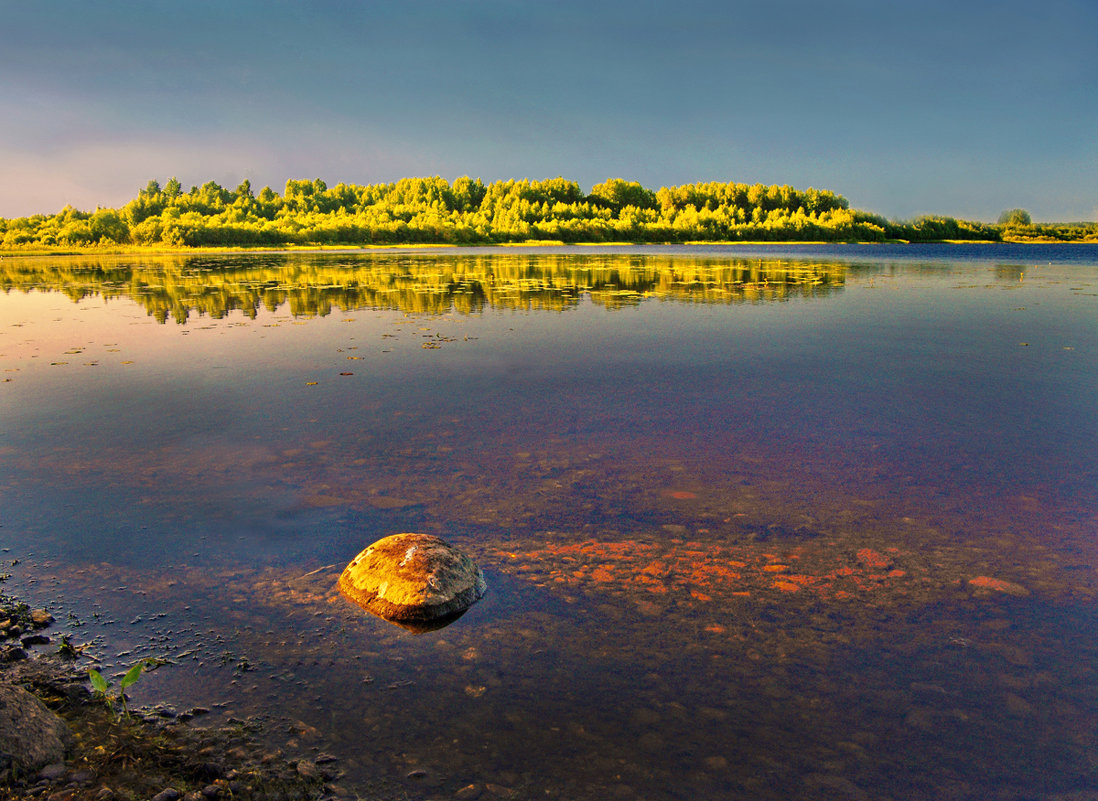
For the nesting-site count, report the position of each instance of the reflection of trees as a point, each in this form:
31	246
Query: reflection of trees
315	284
1012	273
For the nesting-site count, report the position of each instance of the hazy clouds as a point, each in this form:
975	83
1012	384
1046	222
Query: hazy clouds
958	108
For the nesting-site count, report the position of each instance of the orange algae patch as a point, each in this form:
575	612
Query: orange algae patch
804	581
698	572
682	495
601	575
998	585
871	558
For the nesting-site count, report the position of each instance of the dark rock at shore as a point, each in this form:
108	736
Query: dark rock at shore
12	654
417	581
31	736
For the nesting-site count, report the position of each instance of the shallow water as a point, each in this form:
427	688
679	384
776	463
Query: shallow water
811	522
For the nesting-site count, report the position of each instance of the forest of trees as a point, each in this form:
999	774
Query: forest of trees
468	211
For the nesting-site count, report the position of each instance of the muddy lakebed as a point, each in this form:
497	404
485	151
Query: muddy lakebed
811	522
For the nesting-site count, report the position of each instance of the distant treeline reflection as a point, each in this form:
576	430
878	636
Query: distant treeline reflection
315	285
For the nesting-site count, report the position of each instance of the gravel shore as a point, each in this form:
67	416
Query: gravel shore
108	755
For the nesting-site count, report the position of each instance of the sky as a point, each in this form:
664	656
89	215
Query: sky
958	107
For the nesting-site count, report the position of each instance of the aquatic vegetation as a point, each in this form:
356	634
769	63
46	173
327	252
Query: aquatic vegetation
102	686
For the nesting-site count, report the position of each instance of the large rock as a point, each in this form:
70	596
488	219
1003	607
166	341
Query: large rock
31	736
417	581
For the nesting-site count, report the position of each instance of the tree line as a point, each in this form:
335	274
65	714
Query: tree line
468	211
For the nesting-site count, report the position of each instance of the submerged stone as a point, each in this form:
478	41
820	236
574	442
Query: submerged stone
417	581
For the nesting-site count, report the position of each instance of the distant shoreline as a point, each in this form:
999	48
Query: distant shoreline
434	212
134	250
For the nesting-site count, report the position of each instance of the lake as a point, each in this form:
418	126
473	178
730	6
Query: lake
761	523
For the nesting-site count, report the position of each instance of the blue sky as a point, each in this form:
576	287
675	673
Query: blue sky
964	107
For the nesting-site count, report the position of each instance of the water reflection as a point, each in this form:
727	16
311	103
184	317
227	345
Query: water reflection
315	285
841	549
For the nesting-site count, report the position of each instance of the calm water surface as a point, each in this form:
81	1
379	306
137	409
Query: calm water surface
817	522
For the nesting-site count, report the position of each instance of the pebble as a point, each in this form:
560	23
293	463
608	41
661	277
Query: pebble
307	769
167	794
83	777
836	786
469	792
52	772
716	763
1018	706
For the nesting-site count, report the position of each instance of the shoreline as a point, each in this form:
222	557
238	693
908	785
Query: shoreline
538	243
146	753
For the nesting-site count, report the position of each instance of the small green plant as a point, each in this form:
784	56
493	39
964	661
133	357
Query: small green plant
103	687
67	650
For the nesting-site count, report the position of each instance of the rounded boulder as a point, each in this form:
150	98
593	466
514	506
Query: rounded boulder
417	581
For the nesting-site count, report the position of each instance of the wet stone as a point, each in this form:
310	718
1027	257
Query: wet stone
308	769
83	778
52	772
417	581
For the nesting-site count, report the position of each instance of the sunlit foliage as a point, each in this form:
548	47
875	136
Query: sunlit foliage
467	211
